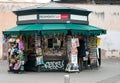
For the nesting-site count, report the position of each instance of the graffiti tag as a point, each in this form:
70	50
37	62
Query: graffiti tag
53	65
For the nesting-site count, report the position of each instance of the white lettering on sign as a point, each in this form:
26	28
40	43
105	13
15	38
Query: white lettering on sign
53	16
27	17
49	16
78	17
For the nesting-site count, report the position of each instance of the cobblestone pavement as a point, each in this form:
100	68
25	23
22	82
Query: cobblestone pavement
109	72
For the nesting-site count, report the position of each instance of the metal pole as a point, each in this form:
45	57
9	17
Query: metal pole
93	1
66	79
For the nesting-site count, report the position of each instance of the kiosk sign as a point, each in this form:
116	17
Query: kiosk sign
53	16
64	16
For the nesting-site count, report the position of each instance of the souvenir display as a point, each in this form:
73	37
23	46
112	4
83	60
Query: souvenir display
93	50
39	49
15	53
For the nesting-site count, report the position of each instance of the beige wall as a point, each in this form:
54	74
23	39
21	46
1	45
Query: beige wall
104	16
8	18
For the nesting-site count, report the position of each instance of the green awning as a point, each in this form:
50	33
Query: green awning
24	29
55	28
87	29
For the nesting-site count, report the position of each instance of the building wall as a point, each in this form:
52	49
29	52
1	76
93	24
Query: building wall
8	18
104	16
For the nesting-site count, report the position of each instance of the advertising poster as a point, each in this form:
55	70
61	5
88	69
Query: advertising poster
73	59
75	44
98	41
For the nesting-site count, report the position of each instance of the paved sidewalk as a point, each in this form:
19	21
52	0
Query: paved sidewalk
109	72
114	79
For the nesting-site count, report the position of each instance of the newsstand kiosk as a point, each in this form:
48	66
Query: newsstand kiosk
47	37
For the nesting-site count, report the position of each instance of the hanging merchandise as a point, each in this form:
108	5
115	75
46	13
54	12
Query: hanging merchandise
92	41
17	40
98	41
22	60
36	41
69	44
21	45
15	52
93	50
39	51
17	65
58	42
75	44
11	40
72	56
39	40
39	60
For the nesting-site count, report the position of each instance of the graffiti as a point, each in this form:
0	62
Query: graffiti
53	65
